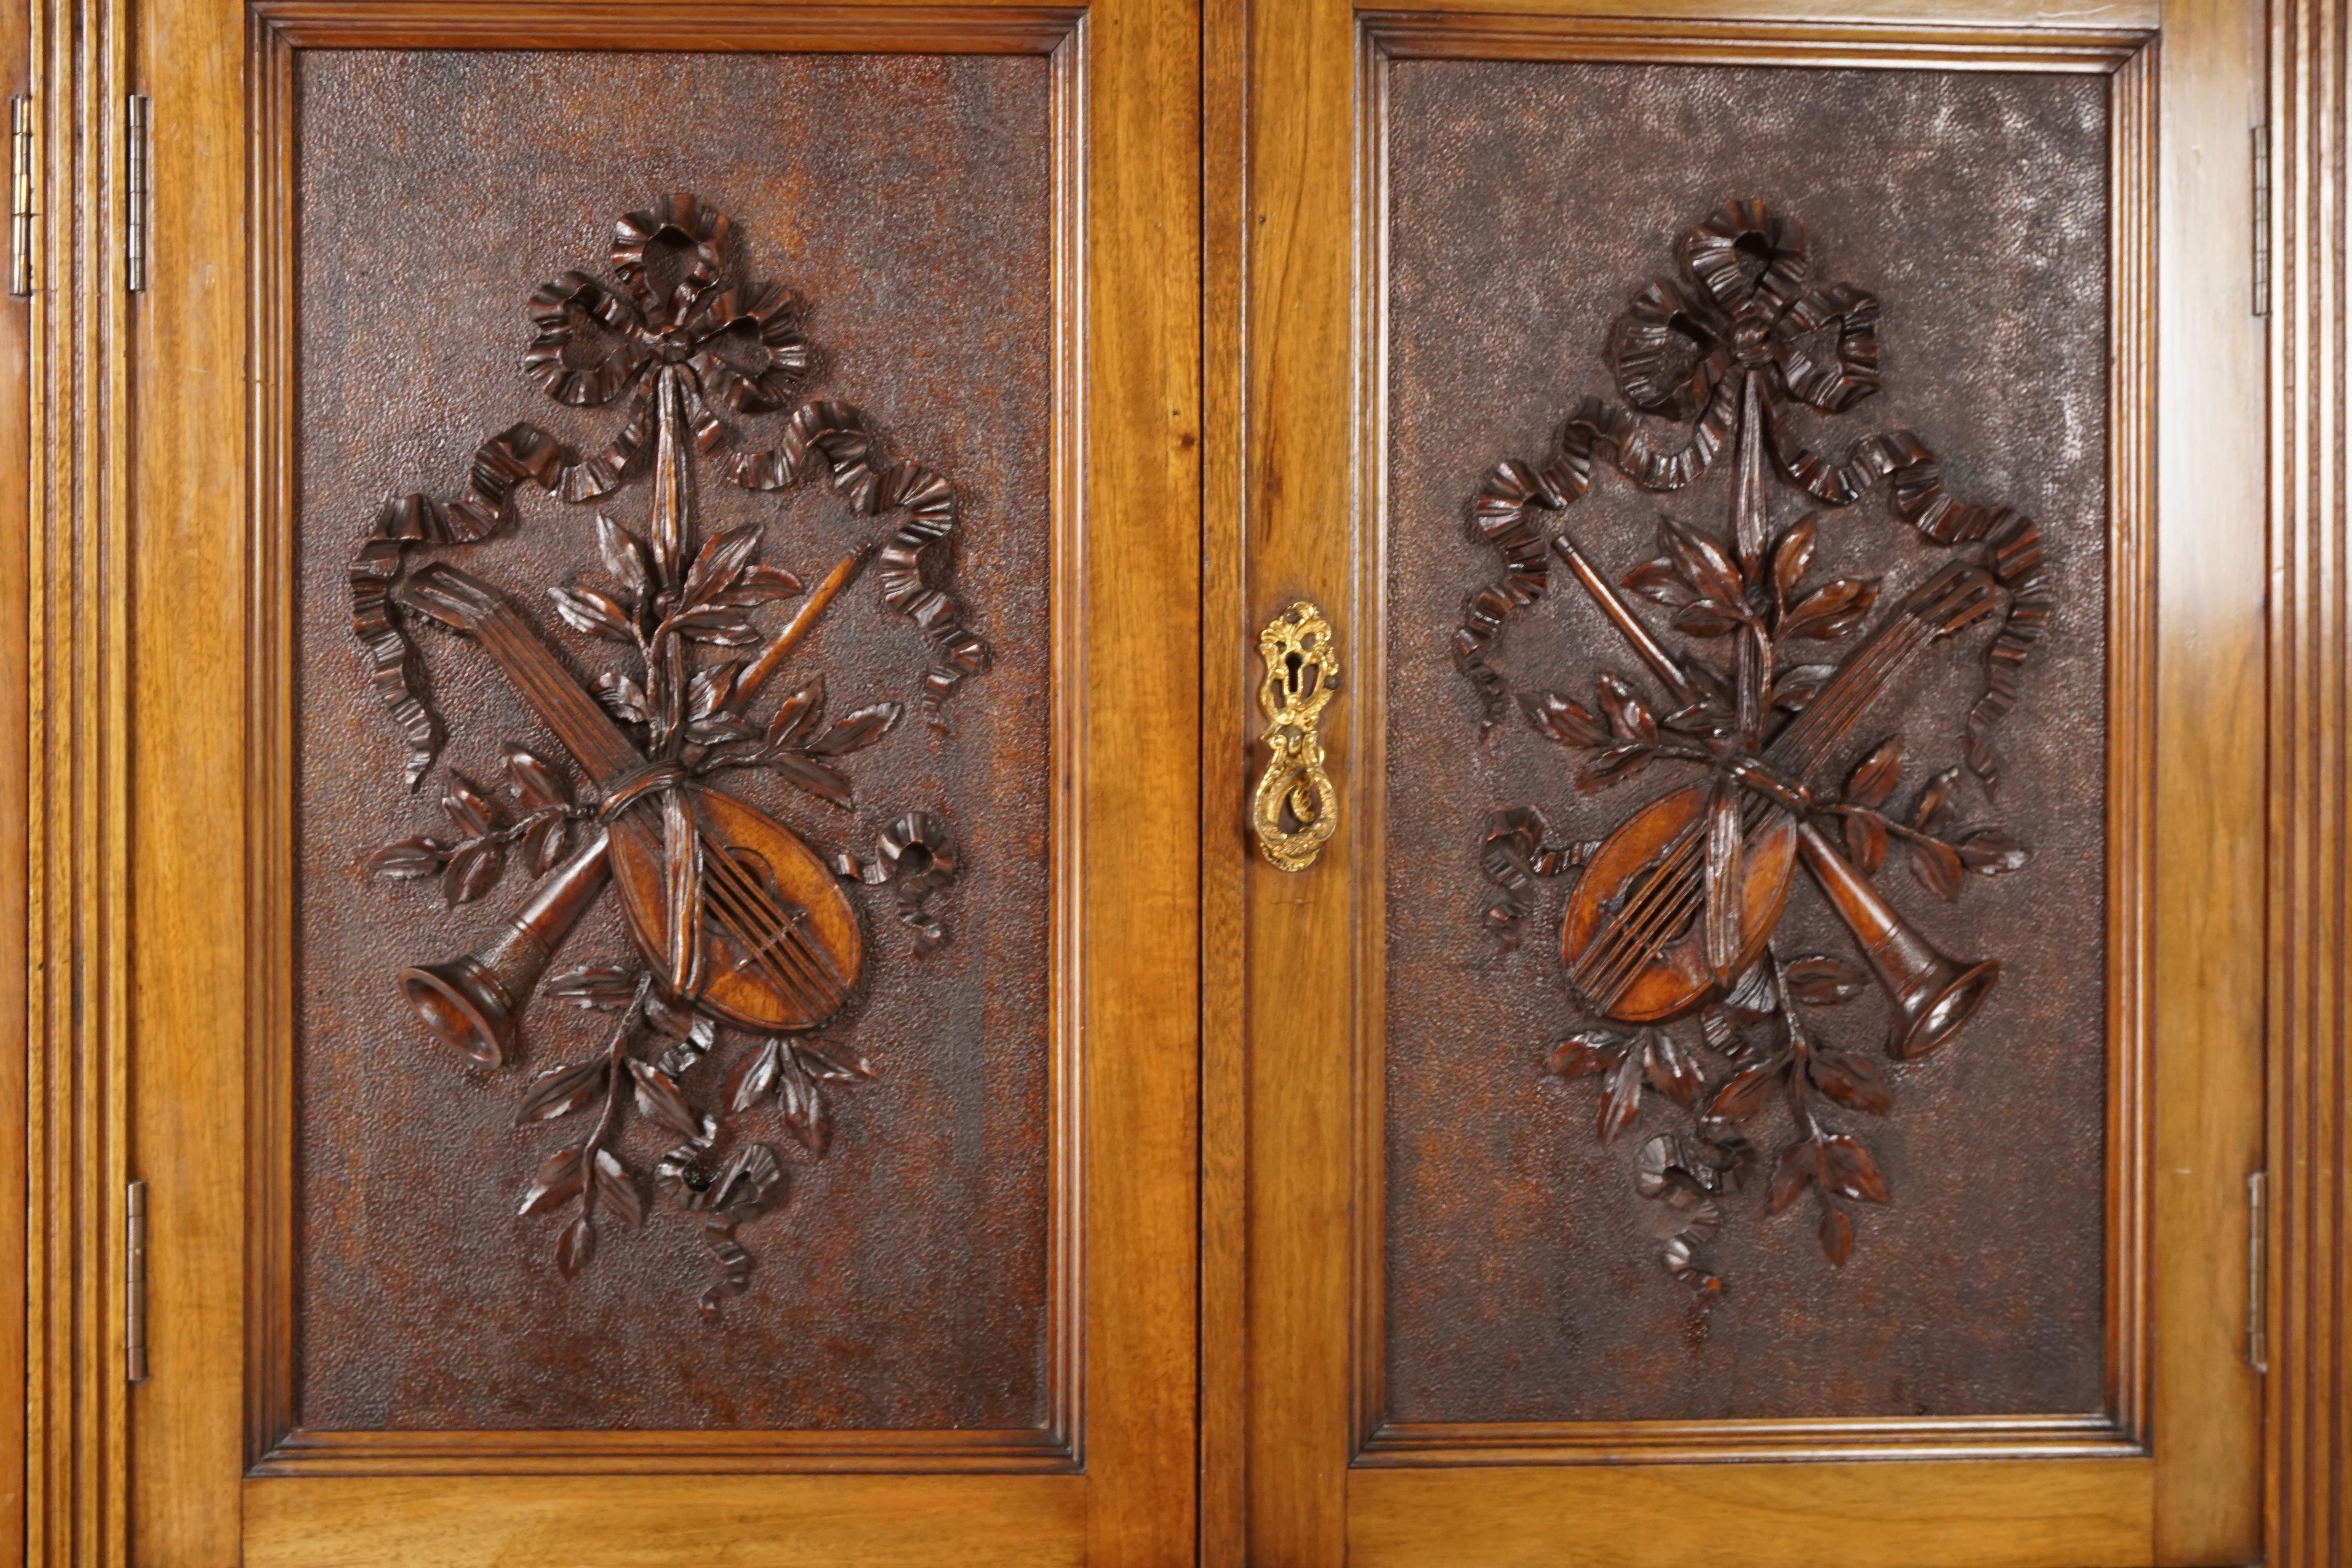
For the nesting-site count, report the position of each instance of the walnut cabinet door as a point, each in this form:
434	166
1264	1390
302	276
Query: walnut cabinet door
663	775
1749	547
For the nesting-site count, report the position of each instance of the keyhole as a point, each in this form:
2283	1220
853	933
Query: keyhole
1293	663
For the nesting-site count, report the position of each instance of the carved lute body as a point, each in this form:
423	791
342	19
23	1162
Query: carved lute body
1632	942
767	941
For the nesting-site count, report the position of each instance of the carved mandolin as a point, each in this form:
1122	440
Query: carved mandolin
1631	942
766	939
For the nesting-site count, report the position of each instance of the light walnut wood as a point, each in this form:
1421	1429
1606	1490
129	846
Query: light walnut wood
2080	1514
2307	1499
798	1521
2205	999
77	886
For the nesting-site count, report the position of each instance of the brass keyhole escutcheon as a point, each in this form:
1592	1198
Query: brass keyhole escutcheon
1294	808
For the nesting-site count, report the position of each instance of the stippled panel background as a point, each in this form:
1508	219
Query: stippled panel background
1523	1281
903	1281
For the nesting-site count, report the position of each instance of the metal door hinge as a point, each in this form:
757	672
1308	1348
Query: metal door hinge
2262	220
137	157
134	1283
20	196
2258	1350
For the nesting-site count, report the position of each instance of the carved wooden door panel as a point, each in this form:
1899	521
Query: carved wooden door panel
1738	1042
672	1052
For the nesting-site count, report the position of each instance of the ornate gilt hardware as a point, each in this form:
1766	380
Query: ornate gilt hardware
1294	808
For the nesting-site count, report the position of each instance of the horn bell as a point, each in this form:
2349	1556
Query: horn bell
475	1001
1931	995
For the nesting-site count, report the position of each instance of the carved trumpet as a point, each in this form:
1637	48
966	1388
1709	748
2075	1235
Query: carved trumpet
1932	996
475	1001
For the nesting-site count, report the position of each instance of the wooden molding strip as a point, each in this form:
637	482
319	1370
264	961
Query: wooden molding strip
2308	1491
78	888
882	28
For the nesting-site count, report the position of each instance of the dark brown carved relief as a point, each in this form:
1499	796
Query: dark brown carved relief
695	824
735	921
1668	931
1754	790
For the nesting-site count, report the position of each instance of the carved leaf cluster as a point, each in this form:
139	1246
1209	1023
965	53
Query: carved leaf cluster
537	830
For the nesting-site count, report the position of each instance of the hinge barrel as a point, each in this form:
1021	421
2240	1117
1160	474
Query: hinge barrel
138	157
2262	220
2258	1352
134	1283
20	196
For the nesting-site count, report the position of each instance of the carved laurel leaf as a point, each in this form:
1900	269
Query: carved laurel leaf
1935	802
535	785
798	714
1849	1170
598	985
1832	610
473	871
1849	1080
1837	1236
1701	562
544	844
1937	865
1660	580
753	1077
1990	852
1586	1052
560	1090
1628	716
576	1248
586	610
658	1099
558	1181
1800	1166
718	625
411	857
710	689
623	557
1790	556
716	564
474	812
1819	980
1866	840
1561	719
1623	1098
1875	777
761	585
1745	1092
623	698
806	1116
855	731
1797	686
833	1064
1707	618
828	784
1615	765
618	1189
1671	1071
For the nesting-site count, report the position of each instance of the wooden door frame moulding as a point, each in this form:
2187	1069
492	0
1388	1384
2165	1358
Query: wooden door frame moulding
2307	1502
279	31
73	688
2128	59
